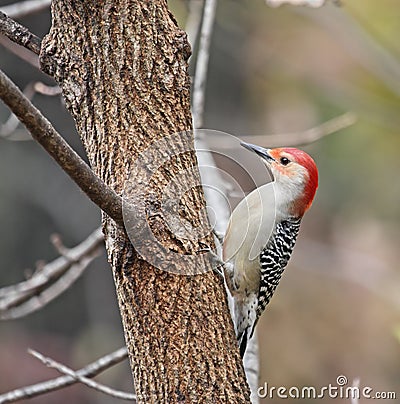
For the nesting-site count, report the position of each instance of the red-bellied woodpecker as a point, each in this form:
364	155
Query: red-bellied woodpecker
262	232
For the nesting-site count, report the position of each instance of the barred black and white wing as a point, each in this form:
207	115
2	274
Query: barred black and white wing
273	261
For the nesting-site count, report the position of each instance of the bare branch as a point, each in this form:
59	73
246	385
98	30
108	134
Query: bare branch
40	299
7	130
82	379
50	280
24	8
16	34
44	89
60	247
19	34
295	138
308	136
309	3
43	132
193	21
203	55
48	386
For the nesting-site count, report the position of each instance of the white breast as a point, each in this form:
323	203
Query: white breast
250	227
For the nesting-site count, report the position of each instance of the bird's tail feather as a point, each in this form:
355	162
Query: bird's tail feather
243	342
245	319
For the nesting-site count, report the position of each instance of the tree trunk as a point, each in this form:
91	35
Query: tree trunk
122	66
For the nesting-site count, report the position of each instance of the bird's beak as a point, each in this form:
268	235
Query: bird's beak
263	153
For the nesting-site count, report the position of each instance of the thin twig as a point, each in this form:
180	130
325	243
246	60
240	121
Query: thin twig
48	386
8	129
203	55
309	3
193	21
24	8
44	89
57	267
82	379
19	34
295	138
58	244
307	136
41	298
50	280
42	131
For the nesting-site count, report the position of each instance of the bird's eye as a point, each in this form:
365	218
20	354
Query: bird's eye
285	161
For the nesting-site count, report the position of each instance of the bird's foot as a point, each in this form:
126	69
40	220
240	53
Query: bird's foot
216	261
218	235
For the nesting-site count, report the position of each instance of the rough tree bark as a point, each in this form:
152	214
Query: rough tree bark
122	66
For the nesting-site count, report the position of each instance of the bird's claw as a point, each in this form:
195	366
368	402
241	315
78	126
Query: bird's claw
216	261
219	236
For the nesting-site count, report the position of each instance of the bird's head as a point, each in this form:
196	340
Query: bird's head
295	176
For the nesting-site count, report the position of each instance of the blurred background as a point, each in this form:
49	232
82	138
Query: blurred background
272	71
